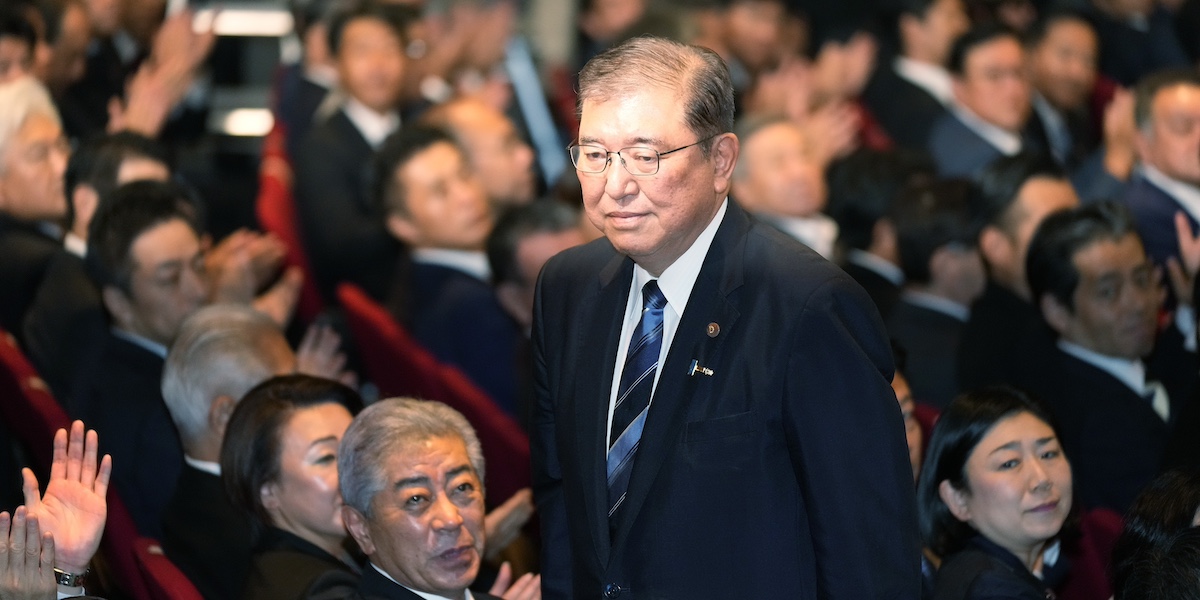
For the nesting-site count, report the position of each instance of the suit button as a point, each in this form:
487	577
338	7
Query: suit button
612	590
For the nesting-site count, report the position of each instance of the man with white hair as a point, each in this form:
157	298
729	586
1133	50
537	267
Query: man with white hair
33	158
221	352
411	476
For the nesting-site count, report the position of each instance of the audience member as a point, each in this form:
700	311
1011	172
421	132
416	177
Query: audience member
1167	109
1115	383
1004	331
523	240
436	206
748	34
944	275
862	188
220	353
302	88
602	23
341	226
18	39
1168	505
144	254
500	159
994	493
1172	571
780	183
411	474
33	158
1062	50
62	50
991	103
912	91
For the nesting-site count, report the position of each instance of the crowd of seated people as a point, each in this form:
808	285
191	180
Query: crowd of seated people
1015	183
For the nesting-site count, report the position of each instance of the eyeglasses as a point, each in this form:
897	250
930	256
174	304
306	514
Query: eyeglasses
638	160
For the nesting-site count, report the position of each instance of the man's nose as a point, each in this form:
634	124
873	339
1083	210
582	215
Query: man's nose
619	182
446	515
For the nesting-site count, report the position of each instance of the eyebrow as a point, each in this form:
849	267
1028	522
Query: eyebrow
637	141
423	480
328	438
1016	444
163	268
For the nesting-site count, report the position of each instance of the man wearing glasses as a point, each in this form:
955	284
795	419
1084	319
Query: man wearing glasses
713	411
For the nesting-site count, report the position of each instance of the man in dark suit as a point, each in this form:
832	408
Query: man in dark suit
774	378
436	205
411	474
1167	109
1005	331
221	352
145	255
1115	383
910	93
991	93
341	226
945	274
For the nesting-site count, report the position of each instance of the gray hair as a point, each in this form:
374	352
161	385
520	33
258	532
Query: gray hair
221	350
697	73
21	99
388	427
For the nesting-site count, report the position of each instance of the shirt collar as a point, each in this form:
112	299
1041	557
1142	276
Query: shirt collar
373	126
876	264
677	280
427	596
1187	195
146	344
931	78
203	465
1132	373
471	262
1006	142
938	304
75	245
818	232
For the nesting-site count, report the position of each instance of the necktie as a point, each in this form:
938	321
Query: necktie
633	395
1157	395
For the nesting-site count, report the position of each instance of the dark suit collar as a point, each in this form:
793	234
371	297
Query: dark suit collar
374	585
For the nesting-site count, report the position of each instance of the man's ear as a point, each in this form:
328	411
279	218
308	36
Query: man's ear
403	229
995	246
119	306
357	525
724	155
218	414
84	200
1057	315
955	499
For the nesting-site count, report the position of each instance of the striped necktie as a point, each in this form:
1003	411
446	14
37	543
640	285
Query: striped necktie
633	396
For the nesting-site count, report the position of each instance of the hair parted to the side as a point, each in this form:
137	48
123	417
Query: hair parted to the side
697	74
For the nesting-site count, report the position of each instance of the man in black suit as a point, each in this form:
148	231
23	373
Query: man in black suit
1005	331
944	274
501	160
991	93
774	388
33	158
145	255
910	93
221	352
341	226
411	474
437	207
1115	383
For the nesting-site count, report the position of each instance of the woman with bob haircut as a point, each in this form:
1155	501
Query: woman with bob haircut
993	495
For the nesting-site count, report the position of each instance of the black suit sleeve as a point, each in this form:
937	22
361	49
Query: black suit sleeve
846	438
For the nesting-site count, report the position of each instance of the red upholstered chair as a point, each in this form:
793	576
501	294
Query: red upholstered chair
927	417
401	367
1091	556
165	580
26	403
276	212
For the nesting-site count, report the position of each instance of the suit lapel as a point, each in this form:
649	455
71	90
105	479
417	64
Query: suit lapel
708	303
605	311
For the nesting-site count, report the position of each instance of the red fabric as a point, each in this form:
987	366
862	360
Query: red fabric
276	212
26	403
927	417
1091	557
165	580
401	367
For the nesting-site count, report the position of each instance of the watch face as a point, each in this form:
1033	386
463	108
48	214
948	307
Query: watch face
64	578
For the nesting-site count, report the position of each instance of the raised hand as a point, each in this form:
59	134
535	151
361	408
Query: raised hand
26	558
73	509
504	523
527	587
320	355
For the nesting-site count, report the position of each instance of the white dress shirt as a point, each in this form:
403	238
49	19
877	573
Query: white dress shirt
931	78
470	262
1132	373
676	283
876	264
938	304
374	127
427	596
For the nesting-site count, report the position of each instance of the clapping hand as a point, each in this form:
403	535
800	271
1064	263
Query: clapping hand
26	558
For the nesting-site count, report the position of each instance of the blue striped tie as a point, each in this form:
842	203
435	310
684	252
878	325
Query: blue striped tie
633	397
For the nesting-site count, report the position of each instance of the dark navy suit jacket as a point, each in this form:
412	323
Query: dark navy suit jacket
783	474
1154	211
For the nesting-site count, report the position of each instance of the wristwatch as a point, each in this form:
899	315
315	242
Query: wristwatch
66	579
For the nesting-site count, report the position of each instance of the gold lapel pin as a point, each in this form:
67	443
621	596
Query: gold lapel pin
713	330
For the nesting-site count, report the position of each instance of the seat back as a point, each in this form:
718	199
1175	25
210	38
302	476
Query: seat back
275	209
165	580
927	417
1090	556
400	366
